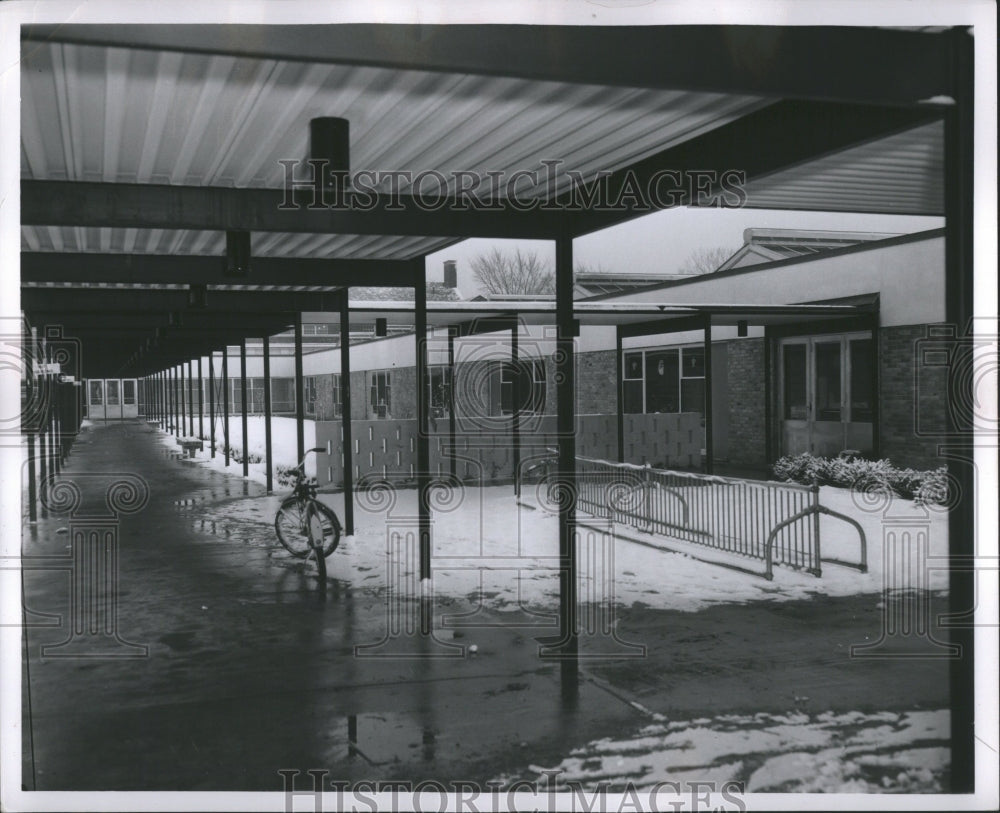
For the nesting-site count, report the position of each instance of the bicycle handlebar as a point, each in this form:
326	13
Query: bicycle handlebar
302	462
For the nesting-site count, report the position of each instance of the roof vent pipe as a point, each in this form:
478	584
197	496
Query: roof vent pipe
330	154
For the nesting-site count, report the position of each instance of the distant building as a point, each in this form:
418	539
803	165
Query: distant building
767	245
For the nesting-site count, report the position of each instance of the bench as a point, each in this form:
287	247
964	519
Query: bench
191	445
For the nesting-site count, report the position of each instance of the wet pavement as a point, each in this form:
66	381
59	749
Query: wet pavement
249	669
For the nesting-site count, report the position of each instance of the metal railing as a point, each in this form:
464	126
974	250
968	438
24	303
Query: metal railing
775	523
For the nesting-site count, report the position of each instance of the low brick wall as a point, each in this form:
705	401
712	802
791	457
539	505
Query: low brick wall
389	447
913	398
746	403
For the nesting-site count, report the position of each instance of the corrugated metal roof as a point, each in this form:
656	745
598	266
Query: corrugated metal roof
187	242
901	174
91	113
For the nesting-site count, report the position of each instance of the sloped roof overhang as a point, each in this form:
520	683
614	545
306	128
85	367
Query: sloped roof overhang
99	195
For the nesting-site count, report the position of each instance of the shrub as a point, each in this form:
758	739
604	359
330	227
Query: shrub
933	488
286	476
865	475
236	453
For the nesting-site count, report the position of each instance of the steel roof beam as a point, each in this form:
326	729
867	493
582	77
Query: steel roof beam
171	300
172	269
778	137
117	321
213	208
844	63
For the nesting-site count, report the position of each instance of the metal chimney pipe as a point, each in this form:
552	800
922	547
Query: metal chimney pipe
330	149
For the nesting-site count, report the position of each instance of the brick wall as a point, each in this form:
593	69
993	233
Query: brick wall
388	447
360	400
551	388
908	393
595	383
746	402
324	398
403	383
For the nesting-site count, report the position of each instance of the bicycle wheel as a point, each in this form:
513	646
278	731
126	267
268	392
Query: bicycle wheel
290	526
316	523
293	532
330	524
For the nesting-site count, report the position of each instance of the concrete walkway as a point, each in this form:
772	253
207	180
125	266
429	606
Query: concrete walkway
249	672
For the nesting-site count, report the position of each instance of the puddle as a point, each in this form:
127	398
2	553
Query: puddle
179	641
247	533
381	738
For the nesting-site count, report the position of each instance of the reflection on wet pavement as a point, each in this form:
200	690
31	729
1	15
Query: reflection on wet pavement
250	671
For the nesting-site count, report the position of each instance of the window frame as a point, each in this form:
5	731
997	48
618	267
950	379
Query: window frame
534	404
445	376
309	395
680	351
374	403
337	397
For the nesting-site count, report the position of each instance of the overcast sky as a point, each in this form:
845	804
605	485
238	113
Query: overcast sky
660	242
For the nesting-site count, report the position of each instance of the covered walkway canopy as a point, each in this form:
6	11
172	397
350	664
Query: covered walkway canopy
150	154
168	209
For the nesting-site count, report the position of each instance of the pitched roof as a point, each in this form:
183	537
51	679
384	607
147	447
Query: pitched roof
768	245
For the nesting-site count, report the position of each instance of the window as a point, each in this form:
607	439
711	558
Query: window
338	400
309	394
255	395
632	384
128	392
665	381
236	394
529	377
693	380
112	385
439	397
662	382
96	393
796	404
381	394
283	395
862	381
828	381
536	402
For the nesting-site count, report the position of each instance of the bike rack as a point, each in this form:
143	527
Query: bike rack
815	510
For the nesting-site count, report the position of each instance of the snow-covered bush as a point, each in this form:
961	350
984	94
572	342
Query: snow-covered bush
864	475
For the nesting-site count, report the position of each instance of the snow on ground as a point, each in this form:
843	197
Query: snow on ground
486	543
488	547
490	550
849	752
283	446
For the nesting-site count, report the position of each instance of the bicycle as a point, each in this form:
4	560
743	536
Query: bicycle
305	526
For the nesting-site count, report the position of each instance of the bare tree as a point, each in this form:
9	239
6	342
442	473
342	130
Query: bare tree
513	272
705	260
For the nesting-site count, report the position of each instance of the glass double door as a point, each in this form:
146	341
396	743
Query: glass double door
111	398
827	394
